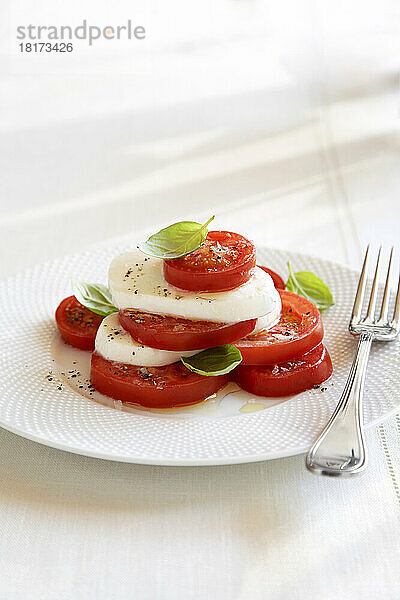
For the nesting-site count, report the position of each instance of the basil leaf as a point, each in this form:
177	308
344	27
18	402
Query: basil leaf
176	240
308	285
95	296
213	361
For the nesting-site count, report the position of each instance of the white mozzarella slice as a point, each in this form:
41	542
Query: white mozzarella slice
268	321
137	281
114	343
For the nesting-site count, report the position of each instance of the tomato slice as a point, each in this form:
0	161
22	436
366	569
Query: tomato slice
277	279
174	333
299	330
223	262
153	387
77	324
286	378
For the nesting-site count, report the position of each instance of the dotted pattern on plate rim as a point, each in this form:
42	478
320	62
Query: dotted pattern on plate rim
33	408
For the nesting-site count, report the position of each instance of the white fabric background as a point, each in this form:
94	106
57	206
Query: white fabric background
281	120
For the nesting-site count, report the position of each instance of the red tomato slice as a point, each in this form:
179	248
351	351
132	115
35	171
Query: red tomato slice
299	330
286	378
223	262
154	387
77	324
277	279
173	333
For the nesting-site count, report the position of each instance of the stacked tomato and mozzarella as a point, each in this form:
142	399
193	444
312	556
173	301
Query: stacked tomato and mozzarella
216	295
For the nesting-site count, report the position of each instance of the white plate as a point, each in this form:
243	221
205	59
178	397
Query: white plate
39	403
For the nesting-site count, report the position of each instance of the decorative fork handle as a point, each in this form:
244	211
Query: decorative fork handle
340	449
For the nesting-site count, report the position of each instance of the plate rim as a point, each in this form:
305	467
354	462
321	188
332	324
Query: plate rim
199	462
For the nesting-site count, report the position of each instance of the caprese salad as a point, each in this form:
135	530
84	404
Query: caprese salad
189	310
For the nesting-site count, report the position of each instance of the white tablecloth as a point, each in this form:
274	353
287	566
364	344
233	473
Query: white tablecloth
281	120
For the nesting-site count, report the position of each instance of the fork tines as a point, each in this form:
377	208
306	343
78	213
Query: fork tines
384	327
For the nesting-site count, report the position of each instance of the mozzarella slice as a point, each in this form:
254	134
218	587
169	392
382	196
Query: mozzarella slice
137	281
267	321
114	343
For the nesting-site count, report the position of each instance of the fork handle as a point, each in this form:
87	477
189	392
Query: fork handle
340	448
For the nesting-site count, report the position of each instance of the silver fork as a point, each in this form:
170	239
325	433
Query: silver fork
340	448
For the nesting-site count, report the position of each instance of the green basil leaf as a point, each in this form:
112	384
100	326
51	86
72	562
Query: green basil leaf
214	361
176	240
95	296
308	285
